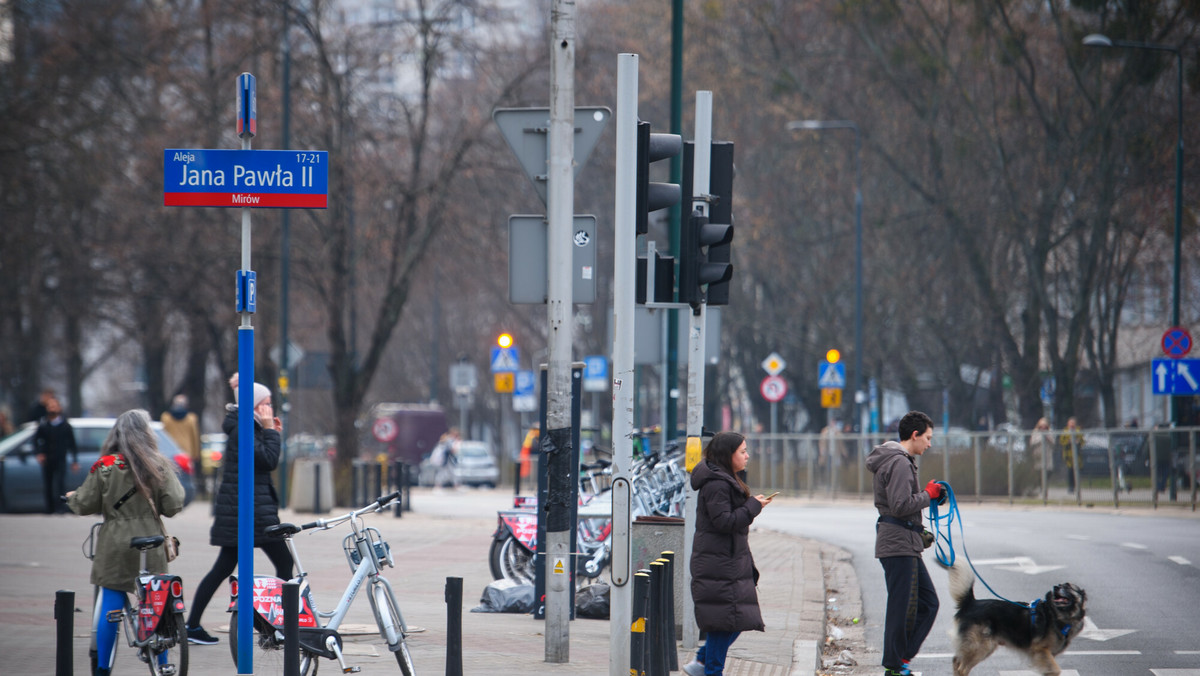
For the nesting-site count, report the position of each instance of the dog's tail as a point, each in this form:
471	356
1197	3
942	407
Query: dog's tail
962	585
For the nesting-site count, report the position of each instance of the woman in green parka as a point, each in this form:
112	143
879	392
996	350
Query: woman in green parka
129	482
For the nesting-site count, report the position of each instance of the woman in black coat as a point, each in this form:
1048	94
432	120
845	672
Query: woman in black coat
724	578
224	532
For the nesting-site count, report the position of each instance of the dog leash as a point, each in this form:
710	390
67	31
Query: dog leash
947	559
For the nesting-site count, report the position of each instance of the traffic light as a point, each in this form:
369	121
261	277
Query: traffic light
654	196
721	211
705	242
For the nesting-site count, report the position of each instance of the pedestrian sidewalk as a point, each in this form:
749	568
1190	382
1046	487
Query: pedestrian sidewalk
446	535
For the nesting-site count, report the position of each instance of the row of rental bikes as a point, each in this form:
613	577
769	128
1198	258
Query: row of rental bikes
155	623
658	480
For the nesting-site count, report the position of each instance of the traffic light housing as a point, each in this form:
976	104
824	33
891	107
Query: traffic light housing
706	242
654	196
664	279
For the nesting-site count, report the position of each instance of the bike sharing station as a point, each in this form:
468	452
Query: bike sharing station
246	178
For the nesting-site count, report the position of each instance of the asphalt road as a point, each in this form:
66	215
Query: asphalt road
1141	569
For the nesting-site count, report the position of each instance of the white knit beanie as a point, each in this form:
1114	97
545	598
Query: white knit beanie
260	392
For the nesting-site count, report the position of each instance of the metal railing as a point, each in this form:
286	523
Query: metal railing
1118	466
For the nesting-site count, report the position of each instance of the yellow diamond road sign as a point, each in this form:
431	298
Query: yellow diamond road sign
774	364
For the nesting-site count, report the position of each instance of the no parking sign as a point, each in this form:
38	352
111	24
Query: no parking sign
384	429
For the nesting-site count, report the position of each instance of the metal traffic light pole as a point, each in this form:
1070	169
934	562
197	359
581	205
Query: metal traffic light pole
558	452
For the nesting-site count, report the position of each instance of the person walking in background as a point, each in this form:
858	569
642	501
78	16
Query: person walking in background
724	579
1070	441
130	485
912	602
224	532
444	457
1041	445
38	410
52	441
184	427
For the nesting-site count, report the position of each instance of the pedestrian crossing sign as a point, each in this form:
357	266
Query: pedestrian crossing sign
831	375
505	359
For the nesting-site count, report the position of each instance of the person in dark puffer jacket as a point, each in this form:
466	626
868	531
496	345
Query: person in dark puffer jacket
224	532
724	578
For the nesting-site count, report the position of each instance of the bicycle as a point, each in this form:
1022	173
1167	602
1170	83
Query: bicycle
366	552
156	624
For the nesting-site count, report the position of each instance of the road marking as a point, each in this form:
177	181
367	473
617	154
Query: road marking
1018	564
1174	672
1079	537
1100	653
1180	560
1187	652
1133	545
1091	631
1068	672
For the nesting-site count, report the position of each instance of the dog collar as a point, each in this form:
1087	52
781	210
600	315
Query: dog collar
1065	630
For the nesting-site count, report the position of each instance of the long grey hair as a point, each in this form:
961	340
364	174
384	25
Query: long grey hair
133	438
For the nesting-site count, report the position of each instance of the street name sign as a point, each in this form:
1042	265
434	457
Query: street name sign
246	178
1175	376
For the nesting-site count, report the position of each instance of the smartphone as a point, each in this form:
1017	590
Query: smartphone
772	495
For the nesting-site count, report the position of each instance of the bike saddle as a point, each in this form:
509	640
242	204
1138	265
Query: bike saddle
281	530
147	542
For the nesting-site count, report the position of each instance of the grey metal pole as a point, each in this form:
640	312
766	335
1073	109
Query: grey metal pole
701	173
624	281
285	245
560	206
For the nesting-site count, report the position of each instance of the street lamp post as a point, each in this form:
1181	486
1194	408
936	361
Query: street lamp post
858	257
1103	41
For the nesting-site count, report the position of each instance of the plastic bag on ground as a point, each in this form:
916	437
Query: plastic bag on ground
592	601
505	596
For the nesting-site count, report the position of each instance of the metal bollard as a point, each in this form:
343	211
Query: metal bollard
654	633
64	617
669	611
397	481
637	628
454	664
356	482
291	629
317	488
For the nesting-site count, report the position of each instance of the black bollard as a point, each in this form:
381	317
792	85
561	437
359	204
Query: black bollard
669	611
291	629
637	629
654	634
355	481
64	616
397	481
317	488
454	664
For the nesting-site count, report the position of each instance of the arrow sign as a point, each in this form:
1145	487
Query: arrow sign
1175	376
1091	631
1183	370
527	132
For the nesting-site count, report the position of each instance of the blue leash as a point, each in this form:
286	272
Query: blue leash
947	559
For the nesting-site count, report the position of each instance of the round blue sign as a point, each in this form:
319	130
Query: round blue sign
1176	342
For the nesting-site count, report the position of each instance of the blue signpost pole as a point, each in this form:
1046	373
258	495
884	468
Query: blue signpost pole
247	296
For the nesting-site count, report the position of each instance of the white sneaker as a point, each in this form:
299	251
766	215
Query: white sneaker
694	668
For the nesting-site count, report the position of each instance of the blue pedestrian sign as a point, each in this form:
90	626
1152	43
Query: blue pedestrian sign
505	359
524	399
595	373
831	375
1175	376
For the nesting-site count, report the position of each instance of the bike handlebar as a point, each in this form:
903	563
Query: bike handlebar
379	503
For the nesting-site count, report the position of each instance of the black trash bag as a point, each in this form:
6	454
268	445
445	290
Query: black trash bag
592	601
505	596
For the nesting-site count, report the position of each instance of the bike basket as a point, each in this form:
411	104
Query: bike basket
383	551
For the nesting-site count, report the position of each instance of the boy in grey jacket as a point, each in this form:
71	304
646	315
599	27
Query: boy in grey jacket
912	603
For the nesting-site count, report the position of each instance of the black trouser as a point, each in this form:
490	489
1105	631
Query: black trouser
224	566
54	484
912	606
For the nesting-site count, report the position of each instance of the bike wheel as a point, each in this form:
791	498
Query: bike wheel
512	561
177	633
268	652
391	627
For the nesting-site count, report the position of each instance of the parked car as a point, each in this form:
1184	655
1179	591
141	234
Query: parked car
21	475
474	466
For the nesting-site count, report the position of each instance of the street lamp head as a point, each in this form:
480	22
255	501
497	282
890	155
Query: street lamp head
1097	40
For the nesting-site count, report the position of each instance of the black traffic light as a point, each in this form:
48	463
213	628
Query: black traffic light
706	243
654	196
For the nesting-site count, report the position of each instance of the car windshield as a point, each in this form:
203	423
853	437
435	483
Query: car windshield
472	451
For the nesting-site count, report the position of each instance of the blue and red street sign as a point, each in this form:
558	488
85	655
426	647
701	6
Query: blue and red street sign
246	178
1176	342
247	103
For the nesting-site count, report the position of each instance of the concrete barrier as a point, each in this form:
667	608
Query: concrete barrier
312	486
